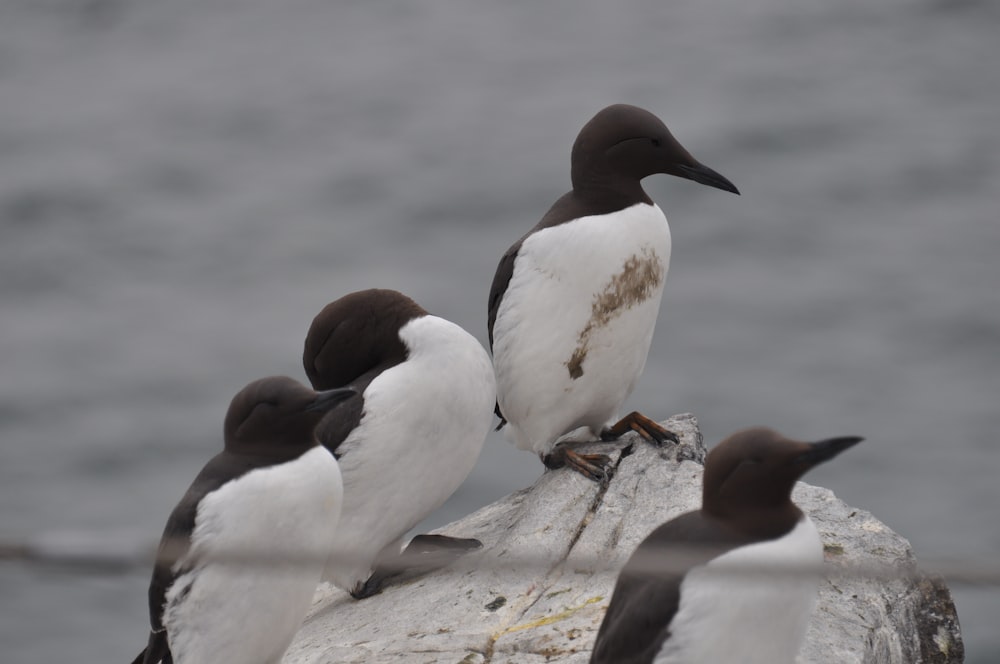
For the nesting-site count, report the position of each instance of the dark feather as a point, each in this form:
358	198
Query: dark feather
157	651
637	622
176	539
350	342
337	425
501	279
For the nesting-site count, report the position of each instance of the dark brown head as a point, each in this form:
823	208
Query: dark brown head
753	472
357	334
622	144
277	416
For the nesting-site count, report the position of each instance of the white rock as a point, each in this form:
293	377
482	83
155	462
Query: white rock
482	610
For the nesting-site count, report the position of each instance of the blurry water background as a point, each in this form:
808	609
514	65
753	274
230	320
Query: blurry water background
184	184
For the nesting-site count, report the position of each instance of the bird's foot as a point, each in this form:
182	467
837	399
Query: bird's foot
592	466
642	425
424	554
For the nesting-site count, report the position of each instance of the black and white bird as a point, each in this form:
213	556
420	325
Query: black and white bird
574	302
408	439
273	492
708	586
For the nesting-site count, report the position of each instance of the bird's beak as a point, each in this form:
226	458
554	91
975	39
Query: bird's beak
825	450
704	175
327	399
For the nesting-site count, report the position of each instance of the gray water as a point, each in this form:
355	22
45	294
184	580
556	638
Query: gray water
184	184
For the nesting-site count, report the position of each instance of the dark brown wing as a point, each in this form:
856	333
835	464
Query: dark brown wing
505	270
157	651
637	622
501	279
563	210
337	424
557	214
176	539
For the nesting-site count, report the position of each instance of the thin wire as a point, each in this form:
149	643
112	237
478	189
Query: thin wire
92	560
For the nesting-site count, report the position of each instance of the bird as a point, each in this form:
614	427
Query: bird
707	585
409	437
272	492
573	302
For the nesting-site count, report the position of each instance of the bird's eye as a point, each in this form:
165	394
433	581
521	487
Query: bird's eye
655	142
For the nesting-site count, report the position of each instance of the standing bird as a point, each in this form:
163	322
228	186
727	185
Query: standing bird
574	302
410	436
273	491
707	585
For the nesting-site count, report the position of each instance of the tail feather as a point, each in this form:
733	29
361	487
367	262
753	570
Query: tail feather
157	651
503	420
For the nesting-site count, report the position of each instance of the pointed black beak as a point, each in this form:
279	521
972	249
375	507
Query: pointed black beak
704	175
327	399
825	450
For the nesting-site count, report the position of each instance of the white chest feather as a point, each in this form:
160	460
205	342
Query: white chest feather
423	427
735	617
232	613
574	327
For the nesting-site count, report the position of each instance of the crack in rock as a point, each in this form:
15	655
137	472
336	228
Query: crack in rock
555	572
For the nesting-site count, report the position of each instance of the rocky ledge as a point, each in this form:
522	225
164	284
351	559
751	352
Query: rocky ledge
531	594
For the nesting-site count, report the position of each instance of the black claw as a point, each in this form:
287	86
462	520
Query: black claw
659	438
599	476
602	461
605	479
596	467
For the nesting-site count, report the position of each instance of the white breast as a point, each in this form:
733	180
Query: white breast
226	613
574	327
423	427
733	617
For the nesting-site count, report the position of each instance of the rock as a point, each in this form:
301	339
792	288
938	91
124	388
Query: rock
527	596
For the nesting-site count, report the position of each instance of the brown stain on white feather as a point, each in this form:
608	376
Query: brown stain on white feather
639	277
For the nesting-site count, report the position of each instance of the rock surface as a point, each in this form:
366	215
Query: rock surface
545	606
